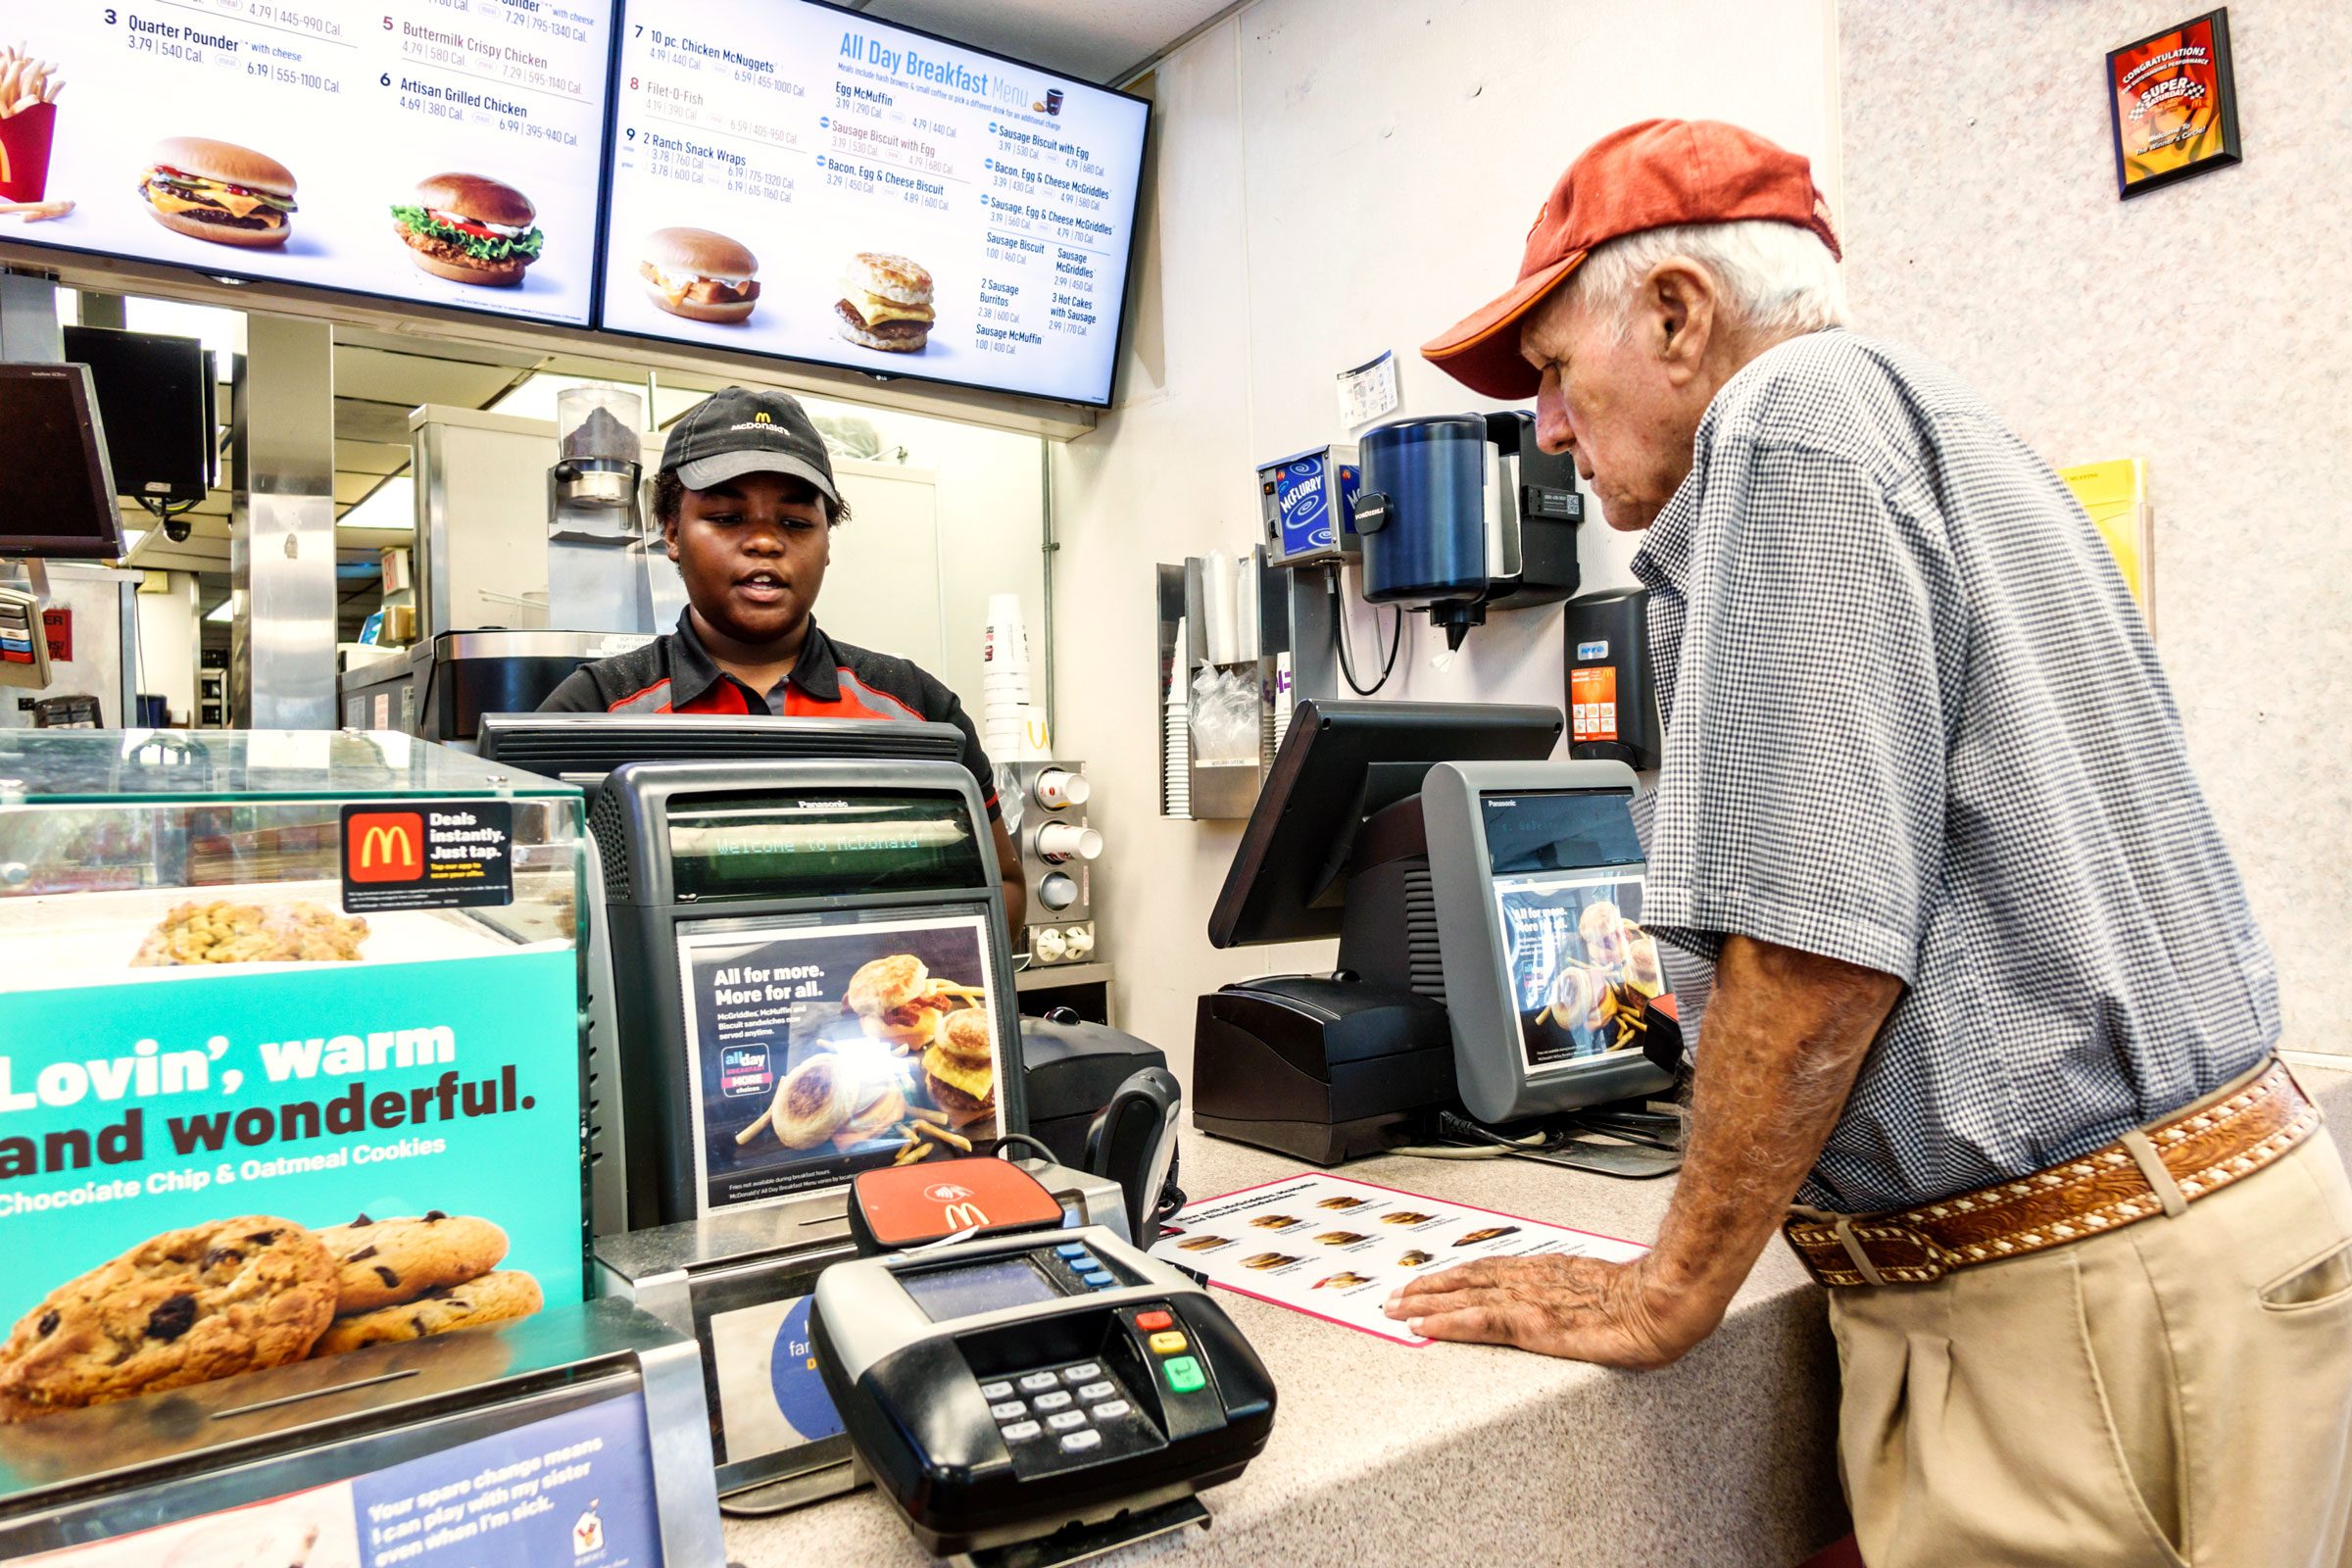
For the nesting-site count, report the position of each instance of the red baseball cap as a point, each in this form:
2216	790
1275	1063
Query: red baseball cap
1651	176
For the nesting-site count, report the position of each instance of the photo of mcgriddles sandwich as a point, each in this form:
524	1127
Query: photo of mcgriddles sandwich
885	304
899	1002
218	191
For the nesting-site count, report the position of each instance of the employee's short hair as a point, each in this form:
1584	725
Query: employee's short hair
669	499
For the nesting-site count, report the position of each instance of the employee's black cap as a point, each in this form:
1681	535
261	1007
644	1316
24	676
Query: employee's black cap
736	432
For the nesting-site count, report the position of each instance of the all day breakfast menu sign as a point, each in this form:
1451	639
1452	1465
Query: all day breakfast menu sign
801	180
439	151
1334	1248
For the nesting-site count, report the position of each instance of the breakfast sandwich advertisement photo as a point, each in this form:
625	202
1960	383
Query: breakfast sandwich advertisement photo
1344	1275
1585	976
822	1052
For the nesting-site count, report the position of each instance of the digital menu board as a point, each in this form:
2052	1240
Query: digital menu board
445	152
793	179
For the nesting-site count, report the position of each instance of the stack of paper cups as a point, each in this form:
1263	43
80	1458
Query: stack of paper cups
1005	678
1176	758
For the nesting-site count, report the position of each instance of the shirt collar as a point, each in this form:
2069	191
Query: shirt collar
692	671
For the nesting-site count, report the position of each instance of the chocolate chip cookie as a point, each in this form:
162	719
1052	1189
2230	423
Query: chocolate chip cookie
189	1306
384	1262
493	1299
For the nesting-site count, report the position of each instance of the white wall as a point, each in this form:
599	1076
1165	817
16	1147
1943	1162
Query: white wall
1334	178
2201	326
169	634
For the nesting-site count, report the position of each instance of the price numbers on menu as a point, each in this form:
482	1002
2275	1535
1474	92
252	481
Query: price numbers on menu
1079	163
1015	149
746	181
935	128
292	76
164	48
432	107
842	178
994	344
864	101
299	21
760	130
566	32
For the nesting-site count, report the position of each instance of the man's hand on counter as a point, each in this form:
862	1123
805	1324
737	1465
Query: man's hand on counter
1784	1036
1578	1307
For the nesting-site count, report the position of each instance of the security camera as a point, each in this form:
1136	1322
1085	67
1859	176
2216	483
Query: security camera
176	530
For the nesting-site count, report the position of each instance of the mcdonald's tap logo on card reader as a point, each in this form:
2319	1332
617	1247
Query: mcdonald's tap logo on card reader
897	1207
433	855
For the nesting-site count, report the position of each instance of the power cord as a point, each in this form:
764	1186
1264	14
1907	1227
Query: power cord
1339	625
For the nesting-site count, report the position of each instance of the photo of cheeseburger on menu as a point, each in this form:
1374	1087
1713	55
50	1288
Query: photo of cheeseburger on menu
824	1051
218	191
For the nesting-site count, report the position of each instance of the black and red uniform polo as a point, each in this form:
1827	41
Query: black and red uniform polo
675	675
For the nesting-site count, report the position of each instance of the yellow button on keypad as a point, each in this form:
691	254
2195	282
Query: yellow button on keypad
1167	1344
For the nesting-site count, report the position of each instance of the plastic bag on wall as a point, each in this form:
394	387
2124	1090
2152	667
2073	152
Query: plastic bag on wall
1226	723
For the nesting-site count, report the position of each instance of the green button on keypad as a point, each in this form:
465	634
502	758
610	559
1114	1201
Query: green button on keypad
1184	1374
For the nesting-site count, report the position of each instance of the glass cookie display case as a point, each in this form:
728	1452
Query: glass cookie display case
293	1039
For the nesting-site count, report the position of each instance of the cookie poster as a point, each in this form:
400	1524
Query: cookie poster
822	1052
2172	104
253	1167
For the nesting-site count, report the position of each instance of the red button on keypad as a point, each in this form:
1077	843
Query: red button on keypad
1150	1322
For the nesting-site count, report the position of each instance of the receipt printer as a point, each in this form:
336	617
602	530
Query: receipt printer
1002	1389
1322	1069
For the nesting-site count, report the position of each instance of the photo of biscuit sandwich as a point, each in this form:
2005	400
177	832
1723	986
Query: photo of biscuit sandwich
218	191
959	1073
885	304
899	1002
1407	1217
1266	1260
700	274
1342	1201
1415	1259
1340	1281
1342	1237
1274	1222
1202	1242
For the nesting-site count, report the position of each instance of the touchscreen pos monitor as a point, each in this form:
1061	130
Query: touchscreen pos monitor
1538	876
61	487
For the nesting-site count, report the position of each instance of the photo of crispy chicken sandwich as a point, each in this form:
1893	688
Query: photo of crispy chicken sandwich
885	304
701	275
958	1072
471	228
218	191
899	1002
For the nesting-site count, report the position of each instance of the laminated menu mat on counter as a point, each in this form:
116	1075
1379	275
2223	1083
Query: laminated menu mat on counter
1333	1246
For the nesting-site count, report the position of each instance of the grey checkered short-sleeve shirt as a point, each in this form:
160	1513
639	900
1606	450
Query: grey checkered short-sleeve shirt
1915	722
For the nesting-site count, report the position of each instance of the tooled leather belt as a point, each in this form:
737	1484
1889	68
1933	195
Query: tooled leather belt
2154	1171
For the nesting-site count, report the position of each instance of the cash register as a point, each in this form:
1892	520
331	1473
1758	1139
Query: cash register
1493	968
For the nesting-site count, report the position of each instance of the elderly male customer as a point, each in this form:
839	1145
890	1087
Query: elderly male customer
1987	1000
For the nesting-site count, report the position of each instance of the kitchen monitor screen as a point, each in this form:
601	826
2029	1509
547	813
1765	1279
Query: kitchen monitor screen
444	152
62	497
818	1051
971	1288
1568	878
793	179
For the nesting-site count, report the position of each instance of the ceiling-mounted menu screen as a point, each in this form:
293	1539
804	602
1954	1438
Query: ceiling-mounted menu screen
444	152
793	179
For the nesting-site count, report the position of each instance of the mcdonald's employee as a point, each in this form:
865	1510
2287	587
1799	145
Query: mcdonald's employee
747	503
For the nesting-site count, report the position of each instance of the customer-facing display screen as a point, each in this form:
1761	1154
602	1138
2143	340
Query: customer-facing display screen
1568	877
798	179
444	152
820	1051
970	1288
766	845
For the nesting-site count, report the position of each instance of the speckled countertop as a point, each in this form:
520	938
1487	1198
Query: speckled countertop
1452	1454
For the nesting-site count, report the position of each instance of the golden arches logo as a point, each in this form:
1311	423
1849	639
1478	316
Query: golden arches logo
397	847
964	1216
761	418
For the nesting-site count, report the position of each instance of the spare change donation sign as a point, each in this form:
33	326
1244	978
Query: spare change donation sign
574	1489
443	1092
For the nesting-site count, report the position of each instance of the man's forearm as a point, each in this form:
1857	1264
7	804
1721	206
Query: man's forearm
1785	1033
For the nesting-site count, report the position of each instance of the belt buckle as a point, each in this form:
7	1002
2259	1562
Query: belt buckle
1879	1249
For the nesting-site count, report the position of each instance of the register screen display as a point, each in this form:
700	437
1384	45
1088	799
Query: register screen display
760	845
803	181
1568	876
948	1293
439	151
818	1051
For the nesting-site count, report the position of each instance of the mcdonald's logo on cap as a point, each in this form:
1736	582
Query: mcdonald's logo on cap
384	846
761	418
